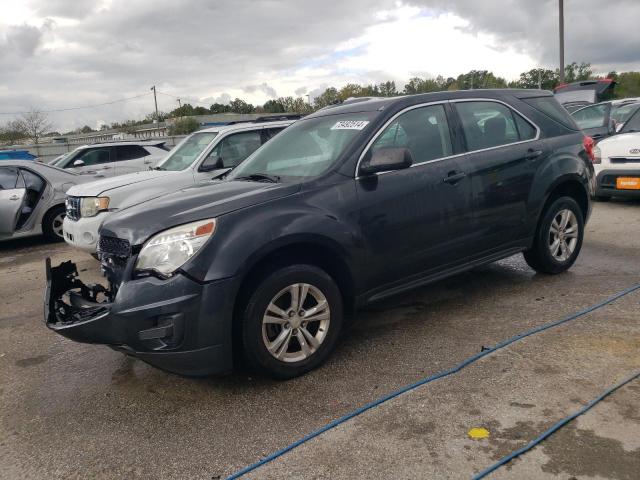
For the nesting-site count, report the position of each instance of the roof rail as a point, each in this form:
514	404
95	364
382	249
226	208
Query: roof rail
270	118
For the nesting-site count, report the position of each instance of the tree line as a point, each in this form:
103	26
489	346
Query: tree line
34	125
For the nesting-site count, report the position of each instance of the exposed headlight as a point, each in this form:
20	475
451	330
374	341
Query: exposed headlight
91	206
167	251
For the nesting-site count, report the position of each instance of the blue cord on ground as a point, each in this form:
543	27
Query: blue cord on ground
506	459
445	373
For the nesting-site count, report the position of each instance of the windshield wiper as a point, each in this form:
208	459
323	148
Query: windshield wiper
158	168
260	177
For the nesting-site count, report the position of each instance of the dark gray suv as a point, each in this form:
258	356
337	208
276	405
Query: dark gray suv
347	206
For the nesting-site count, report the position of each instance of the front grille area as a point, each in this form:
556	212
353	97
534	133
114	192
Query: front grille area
114	246
73	207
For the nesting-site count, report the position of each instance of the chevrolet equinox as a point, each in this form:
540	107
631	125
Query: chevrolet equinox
349	205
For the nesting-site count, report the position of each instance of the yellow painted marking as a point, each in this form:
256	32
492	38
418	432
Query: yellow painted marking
478	433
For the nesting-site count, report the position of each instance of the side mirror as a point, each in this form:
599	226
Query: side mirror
386	159
78	163
211	166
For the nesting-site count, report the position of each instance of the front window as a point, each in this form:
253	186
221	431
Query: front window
307	148
187	152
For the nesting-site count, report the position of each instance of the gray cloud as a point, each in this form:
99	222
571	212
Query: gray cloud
264	88
21	41
200	49
76	9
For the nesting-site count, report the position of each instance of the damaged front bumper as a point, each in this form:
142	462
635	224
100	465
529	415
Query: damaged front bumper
176	324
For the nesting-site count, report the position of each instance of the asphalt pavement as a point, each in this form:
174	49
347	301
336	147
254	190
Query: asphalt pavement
69	410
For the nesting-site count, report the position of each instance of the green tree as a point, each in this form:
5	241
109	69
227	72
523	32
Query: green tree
219	108
547	78
628	85
350	90
328	97
86	129
575	72
12	132
183	126
388	89
240	106
273	106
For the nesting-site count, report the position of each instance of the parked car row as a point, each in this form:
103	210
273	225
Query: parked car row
347	206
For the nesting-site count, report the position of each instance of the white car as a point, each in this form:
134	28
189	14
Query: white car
202	156
113	158
617	162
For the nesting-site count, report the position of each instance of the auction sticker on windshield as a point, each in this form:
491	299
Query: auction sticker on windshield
350	125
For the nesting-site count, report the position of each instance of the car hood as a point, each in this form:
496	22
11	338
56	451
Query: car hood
207	200
621	145
105	185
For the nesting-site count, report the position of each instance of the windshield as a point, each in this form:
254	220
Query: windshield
58	161
306	149
187	151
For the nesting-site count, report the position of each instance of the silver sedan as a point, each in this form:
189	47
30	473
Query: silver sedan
32	198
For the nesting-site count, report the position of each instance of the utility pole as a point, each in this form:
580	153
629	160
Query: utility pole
561	29
539	79
155	100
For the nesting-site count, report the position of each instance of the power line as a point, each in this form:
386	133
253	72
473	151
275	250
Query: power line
192	101
81	107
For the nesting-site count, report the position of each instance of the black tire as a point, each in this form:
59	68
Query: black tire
255	349
50	224
539	257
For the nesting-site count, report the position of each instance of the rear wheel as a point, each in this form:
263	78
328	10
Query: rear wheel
52	224
292	321
558	237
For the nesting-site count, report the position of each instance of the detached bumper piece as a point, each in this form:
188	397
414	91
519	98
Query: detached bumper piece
176	324
81	307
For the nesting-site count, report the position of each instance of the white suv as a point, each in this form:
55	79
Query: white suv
202	156
114	158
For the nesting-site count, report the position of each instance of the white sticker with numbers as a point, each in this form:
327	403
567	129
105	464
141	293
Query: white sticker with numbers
350	125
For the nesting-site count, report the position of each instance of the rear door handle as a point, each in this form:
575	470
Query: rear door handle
454	177
532	154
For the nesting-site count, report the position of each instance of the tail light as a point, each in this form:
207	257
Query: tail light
589	146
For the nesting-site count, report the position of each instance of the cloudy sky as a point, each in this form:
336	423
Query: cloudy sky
57	54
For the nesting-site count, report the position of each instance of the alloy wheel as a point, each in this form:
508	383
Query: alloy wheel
296	322
563	235
56	225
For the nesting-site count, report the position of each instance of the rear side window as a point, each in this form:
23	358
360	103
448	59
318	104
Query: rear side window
552	109
591	117
8	178
130	152
424	131
95	156
492	124
32	181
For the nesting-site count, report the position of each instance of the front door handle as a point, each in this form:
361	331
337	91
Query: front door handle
532	154
454	177
14	197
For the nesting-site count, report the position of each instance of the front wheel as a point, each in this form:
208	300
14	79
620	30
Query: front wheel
558	238
52	224
292	321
